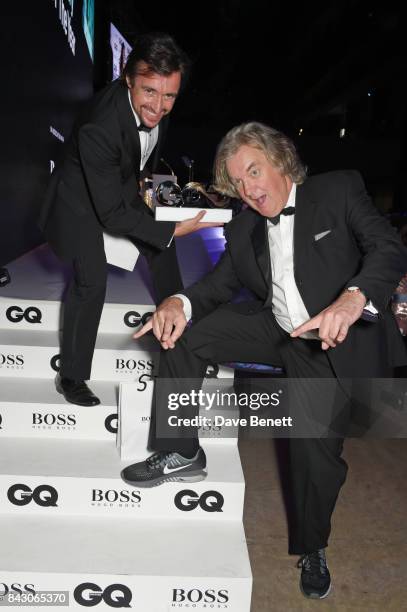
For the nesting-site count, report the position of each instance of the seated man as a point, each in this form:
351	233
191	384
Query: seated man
314	251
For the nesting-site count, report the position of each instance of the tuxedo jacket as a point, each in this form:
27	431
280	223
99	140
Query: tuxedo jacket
95	188
356	247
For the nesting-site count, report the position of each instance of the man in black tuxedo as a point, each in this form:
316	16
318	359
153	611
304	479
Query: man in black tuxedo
319	257
96	189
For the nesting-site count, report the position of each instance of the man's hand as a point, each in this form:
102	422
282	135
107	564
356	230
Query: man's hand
333	322
182	228
168	322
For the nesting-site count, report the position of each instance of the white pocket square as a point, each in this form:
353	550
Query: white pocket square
322	235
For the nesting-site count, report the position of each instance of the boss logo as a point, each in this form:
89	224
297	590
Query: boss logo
209	596
134	365
113	496
11	360
134	319
116	595
111	423
43	495
16	587
210	501
55	363
15	314
53	419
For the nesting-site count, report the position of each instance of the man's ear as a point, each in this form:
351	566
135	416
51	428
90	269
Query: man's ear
129	83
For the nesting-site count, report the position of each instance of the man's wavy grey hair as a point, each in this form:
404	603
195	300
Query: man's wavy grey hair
276	146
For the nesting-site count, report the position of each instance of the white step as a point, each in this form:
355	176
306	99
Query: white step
45	315
162	565
32	408
31	354
83	478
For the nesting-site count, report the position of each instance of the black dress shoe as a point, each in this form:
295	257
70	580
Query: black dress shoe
76	391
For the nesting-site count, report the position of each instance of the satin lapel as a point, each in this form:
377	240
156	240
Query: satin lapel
261	251
128	127
305	207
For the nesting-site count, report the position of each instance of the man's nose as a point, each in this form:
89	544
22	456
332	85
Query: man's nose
247	189
157	105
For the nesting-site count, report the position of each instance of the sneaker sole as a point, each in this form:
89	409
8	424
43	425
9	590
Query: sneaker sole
148	484
315	595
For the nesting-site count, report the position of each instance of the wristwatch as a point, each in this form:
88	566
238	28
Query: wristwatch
357	290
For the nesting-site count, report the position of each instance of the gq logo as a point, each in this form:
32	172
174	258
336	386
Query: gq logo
111	423
43	495
116	595
133	318
55	365
15	314
210	501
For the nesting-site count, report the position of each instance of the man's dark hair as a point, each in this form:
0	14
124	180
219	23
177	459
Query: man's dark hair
161	54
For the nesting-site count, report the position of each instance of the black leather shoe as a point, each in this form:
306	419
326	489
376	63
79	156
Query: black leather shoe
76	391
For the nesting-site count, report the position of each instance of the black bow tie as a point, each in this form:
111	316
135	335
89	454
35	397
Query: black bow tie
144	128
290	210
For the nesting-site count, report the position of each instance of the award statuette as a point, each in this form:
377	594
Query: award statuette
176	204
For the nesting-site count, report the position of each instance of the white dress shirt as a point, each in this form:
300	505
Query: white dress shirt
287	305
148	140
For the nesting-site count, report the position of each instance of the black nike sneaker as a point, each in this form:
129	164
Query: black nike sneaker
166	466
315	580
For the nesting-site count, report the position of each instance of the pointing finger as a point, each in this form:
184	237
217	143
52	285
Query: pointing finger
146	327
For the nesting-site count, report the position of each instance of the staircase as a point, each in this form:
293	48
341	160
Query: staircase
73	533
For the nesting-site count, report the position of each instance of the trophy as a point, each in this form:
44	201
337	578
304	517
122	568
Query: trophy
176	204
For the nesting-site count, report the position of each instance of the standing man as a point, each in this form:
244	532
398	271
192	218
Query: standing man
96	189
316	254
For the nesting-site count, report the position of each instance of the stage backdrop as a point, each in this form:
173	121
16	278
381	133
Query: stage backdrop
46	51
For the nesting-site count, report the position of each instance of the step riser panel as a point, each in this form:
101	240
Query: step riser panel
40	315
138	593
43	362
64	496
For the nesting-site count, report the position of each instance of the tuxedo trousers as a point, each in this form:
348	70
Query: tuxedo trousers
317	470
85	296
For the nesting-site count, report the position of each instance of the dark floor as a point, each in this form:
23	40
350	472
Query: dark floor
367	554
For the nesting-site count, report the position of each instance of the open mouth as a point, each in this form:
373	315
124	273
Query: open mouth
260	201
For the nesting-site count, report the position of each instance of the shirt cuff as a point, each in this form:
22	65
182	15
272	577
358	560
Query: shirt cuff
186	303
370	313
172	238
369	306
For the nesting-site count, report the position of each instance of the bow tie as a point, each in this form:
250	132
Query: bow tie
144	128
290	210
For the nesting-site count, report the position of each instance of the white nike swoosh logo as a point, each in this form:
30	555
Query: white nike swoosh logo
168	470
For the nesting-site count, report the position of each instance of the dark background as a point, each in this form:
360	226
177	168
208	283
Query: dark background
43	85
317	67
